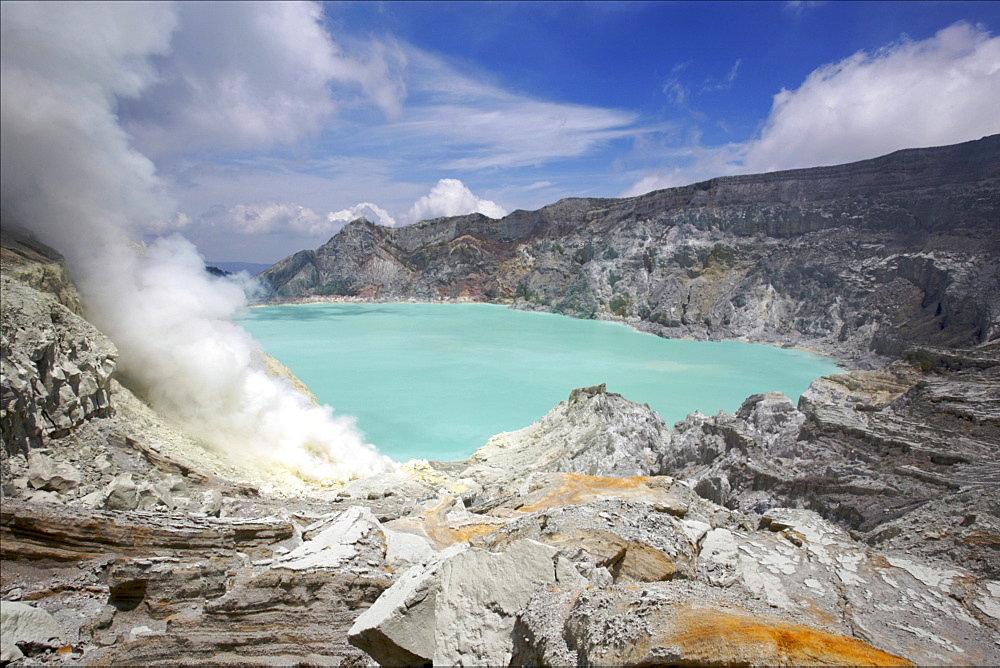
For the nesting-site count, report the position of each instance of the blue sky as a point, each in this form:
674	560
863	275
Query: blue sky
270	125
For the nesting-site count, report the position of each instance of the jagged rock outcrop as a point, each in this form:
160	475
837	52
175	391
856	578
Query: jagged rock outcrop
866	450
860	259
859	526
56	368
593	432
38	266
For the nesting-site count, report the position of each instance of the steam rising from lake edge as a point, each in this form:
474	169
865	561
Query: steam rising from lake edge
71	177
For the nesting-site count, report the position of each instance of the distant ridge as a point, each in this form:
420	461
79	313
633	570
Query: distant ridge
856	260
252	268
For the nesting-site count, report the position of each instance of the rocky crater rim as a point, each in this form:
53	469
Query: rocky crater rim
858	526
860	261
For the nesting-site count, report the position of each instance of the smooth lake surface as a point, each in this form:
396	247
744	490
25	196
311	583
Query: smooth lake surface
435	381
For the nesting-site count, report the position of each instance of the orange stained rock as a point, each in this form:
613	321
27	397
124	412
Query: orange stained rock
444	532
623	558
466	531
981	538
699	634
573	489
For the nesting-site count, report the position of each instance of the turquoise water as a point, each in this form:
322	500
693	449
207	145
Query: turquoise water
435	381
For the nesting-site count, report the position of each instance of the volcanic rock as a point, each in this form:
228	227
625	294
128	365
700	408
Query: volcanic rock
594	432
860	525
46	474
459	607
23	623
56	369
857	260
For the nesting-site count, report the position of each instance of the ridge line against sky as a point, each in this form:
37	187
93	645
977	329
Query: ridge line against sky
271	125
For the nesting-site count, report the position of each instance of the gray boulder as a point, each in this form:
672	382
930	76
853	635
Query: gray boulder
459	607
44	473
20	622
122	493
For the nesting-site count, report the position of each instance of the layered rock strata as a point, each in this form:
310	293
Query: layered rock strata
858	526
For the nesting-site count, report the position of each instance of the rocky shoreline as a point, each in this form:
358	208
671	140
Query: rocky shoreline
858	526
841	530
858	261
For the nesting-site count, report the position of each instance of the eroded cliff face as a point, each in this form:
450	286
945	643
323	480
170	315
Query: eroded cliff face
56	368
858	526
856	260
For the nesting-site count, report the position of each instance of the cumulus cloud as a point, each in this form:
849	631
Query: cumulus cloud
941	90
247	75
933	92
71	176
372	212
276	218
451	197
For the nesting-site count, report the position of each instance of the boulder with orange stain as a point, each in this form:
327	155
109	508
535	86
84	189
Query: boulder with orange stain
630	540
593	432
709	635
555	490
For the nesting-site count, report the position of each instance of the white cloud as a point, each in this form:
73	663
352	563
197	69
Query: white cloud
273	217
372	212
800	7
68	169
248	75
451	197
674	89
175	223
933	92
727	81
292	222
941	90
466	124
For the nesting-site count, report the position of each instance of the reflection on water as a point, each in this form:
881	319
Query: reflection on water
315	312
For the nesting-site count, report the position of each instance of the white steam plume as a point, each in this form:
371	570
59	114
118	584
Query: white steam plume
71	177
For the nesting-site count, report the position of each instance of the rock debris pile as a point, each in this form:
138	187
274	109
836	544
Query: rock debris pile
859	525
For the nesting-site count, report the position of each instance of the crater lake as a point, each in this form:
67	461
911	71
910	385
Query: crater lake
435	381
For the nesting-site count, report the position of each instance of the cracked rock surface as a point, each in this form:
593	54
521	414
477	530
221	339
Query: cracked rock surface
859	525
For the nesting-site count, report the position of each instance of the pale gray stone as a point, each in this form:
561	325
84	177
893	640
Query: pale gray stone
121	493
22	622
211	504
459	608
406	549
329	543
45	473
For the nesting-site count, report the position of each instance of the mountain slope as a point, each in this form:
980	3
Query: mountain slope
870	257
